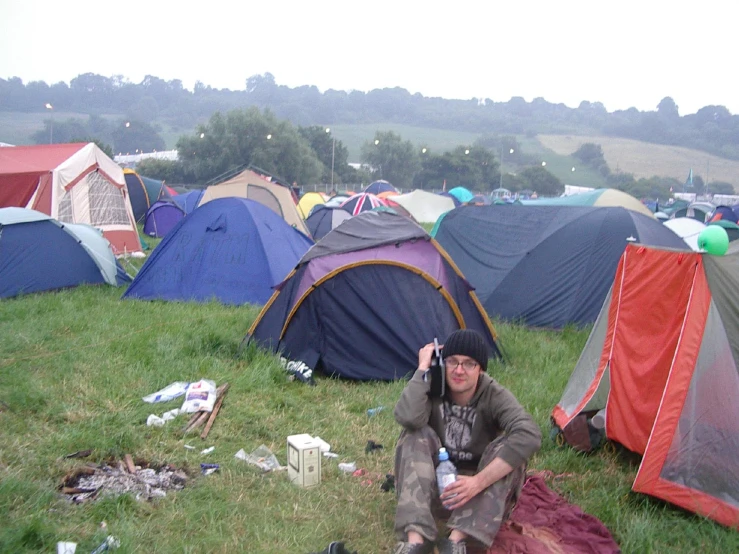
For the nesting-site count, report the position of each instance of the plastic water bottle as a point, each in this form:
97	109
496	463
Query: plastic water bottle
446	473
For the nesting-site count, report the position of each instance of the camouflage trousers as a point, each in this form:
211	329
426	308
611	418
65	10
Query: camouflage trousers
418	496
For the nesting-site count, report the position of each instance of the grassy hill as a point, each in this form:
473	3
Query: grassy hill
647	160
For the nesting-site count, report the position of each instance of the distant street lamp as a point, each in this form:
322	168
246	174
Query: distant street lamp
511	151
51	125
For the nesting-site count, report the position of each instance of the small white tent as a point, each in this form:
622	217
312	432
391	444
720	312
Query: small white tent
425	207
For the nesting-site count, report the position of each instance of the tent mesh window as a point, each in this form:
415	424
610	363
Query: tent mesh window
107	204
65	208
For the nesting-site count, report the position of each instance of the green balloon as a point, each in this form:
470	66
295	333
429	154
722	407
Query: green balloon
714	240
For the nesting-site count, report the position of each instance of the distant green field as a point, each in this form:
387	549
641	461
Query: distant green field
435	140
647	160
18	127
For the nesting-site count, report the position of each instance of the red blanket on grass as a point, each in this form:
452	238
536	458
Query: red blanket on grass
545	523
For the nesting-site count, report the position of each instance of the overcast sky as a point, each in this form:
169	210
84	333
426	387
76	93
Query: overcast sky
622	53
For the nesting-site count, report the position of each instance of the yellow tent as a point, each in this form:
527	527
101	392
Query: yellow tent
308	201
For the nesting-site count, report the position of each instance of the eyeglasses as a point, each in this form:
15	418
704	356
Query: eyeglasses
454	363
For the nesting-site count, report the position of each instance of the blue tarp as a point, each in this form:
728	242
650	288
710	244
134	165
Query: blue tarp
231	249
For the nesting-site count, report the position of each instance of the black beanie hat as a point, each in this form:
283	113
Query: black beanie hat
467	342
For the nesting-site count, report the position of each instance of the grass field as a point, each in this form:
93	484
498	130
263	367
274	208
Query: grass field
647	160
74	365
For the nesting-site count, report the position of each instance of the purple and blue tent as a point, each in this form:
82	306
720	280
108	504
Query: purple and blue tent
363	300
161	218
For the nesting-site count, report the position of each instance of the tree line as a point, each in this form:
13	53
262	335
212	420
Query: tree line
309	155
712	129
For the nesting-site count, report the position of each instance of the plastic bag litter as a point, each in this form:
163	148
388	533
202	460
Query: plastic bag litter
200	396
168	393
262	457
157	421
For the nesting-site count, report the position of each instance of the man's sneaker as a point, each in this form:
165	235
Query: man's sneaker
426	547
451	547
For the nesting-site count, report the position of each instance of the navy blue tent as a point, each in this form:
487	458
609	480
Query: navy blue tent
323	219
366	297
231	249
547	266
38	253
189	200
376	187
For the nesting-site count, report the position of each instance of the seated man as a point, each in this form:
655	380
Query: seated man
489	437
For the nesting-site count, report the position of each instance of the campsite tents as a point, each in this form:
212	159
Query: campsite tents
687	229
425	207
376	187
596	198
732	229
548	266
38	253
366	297
361	202
161	218
143	192
462	194
188	201
722	213
696	210
230	249
308	201
251	185
324	219
662	361
73	183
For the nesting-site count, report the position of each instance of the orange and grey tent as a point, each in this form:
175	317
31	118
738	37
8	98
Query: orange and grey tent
662	361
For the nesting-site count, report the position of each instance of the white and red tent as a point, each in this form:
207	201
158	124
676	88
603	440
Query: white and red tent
73	183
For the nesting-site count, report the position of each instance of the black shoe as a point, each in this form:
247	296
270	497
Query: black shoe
447	546
426	547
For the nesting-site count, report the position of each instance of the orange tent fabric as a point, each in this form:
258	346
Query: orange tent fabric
662	362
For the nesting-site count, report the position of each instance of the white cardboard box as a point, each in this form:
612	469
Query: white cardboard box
303	460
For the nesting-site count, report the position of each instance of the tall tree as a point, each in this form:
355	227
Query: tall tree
391	158
330	151
540	180
244	137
